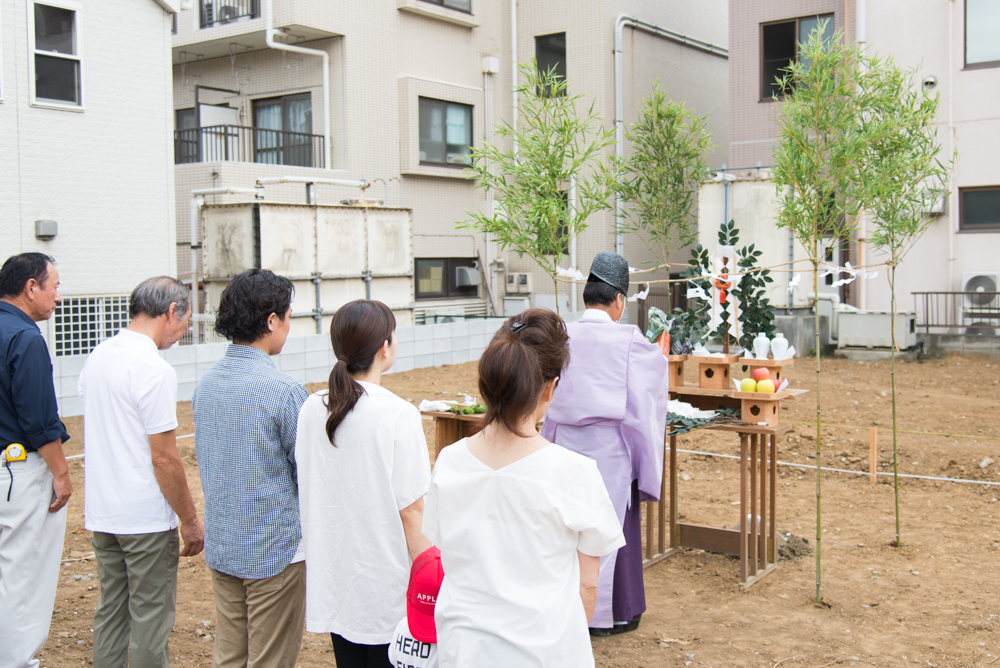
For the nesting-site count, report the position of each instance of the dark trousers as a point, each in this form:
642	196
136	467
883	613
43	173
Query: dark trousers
352	655
629	595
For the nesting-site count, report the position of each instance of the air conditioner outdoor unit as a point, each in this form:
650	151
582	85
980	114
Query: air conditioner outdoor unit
935	204
228	13
873	329
467	277
981	282
445	314
980	308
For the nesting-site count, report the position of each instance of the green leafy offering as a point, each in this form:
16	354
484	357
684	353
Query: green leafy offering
683	425
475	409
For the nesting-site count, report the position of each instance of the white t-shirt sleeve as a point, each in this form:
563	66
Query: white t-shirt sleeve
599	530
411	467
156	401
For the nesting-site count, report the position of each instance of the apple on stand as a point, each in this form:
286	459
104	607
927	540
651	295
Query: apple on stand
766	386
748	385
761	373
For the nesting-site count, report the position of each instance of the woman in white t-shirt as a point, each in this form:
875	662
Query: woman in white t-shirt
363	470
521	523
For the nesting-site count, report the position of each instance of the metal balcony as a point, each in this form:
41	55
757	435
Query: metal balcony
220	12
236	143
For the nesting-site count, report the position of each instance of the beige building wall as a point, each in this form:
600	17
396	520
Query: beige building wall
929	37
386	54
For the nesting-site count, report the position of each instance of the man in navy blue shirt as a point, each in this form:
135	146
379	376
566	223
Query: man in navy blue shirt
33	502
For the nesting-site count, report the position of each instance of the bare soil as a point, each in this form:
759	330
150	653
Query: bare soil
933	602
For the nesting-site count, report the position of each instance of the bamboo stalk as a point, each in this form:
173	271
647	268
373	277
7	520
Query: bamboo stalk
892	375
819	436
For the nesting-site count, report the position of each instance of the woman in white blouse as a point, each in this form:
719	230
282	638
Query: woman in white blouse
363	470
521	523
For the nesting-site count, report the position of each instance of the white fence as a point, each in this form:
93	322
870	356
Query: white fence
308	358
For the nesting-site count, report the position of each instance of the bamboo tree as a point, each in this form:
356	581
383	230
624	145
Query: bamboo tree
556	144
903	175
663	174
816	162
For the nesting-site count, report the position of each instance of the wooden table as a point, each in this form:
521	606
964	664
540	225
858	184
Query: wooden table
754	542
452	427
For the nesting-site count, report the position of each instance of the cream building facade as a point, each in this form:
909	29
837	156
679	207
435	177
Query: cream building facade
410	85
87	143
952	45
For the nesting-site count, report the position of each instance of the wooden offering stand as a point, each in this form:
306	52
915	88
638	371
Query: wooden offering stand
453	427
676	371
713	372
764	407
772	365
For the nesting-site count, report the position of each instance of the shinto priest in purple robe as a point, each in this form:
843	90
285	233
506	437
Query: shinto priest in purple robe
611	405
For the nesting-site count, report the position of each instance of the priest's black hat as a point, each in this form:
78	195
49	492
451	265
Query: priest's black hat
612	269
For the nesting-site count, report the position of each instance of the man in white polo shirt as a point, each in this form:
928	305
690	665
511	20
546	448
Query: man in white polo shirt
135	486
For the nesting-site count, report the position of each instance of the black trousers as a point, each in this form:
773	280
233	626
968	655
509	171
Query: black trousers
352	655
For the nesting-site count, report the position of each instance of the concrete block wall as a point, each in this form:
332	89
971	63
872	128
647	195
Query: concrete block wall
308	358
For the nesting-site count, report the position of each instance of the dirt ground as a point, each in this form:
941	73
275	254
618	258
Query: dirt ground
933	602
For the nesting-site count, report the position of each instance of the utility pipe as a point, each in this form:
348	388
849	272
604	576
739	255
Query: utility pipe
621	22
268	180
572	243
490	270
513	71
197	201
269	32
951	142
861	34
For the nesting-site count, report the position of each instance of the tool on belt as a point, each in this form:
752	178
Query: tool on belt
14	452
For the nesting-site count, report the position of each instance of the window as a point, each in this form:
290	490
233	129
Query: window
550	52
447	278
779	48
979	209
461	5
982	25
56	65
445	133
283	134
83	322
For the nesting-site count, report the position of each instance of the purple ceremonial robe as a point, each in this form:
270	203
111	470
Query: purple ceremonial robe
611	405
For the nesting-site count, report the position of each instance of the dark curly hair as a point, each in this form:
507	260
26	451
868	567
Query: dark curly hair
248	301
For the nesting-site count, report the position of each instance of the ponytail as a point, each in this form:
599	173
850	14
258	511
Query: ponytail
358	331
529	350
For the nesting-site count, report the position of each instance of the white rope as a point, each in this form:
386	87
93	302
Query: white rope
812	466
81	456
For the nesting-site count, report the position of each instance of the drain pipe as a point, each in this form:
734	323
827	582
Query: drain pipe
621	22
572	243
513	71
198	201
269	32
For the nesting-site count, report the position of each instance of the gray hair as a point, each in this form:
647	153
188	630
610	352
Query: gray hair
155	295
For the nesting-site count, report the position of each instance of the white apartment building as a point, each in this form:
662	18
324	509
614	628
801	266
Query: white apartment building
87	143
396	92
954	48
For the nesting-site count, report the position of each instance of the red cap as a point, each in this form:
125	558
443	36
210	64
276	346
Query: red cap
426	575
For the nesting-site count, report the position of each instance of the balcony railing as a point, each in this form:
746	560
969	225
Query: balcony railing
218	12
968	313
236	143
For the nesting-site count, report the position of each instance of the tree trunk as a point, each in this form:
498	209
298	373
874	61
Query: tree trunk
892	376
819	439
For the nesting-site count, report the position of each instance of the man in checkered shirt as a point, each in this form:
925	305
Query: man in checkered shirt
245	414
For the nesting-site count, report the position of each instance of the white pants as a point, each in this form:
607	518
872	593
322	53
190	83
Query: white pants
31	543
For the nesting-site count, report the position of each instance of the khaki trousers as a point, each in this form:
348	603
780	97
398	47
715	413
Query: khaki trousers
138	574
259	623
